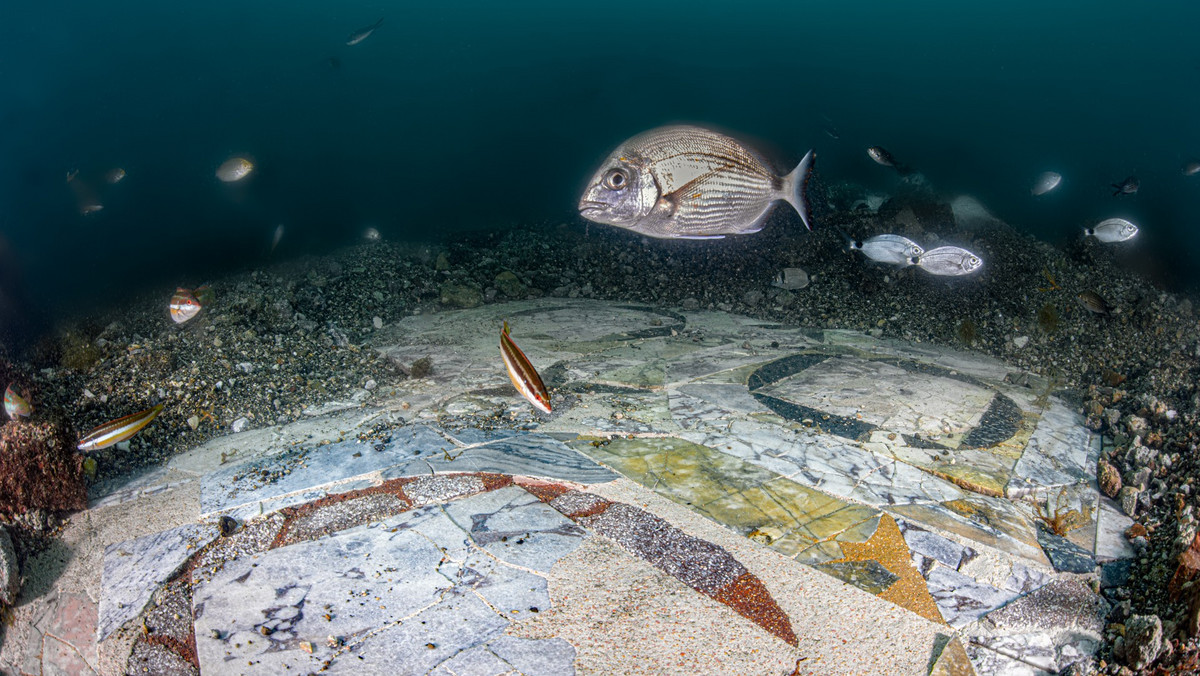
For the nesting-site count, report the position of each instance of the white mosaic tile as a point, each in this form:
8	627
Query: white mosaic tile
1060	452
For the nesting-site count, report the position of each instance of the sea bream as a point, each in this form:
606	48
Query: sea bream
1046	181
1112	230
691	183
949	261
1127	187
234	169
883	157
893	249
362	33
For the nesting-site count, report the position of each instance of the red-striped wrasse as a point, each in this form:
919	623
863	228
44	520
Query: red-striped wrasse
184	305
524	377
15	405
116	431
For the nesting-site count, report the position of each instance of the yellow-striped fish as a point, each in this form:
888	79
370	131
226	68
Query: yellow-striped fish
524	377
15	405
116	431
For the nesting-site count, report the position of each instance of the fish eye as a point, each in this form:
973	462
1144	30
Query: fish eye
616	180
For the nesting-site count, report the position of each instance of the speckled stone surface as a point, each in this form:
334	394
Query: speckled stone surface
432	530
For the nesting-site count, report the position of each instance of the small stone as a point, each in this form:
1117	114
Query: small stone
1021	341
240	424
508	284
442	263
370	384
1109	478
217	342
752	297
460	295
89	467
421	368
10	577
377	322
306	646
1128	498
690	303
1143	640
193	422
227	525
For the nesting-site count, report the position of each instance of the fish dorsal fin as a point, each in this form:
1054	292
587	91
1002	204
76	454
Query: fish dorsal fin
504	331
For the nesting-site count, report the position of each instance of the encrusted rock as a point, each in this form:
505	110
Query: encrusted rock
1128	497
1109	478
10	577
1187	568
510	285
1143	640
460	295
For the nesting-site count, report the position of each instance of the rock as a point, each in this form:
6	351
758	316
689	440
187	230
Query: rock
421	368
39	469
791	279
752	297
377	322
442	262
10	577
508	284
1021	341
459	295
1109	478
370	384
1128	498
1143	640
1115	573
690	303
970	214
1187	568
240	424
194	421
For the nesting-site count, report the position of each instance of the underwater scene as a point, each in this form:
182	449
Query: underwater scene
474	338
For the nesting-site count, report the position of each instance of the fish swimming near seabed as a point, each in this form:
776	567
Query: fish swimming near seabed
1046	181
1094	302
276	237
1112	230
116	431
184	305
363	33
883	157
688	182
949	261
893	249
15	405
524	377
1127	187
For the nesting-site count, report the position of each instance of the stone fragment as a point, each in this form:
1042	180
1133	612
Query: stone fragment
460	295
1021	341
510	285
1109	478
1128	497
1187	568
1143	640
10	577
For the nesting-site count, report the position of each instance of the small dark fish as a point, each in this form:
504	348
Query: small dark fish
334	63
362	33
882	156
1094	303
1127	187
1190	168
832	133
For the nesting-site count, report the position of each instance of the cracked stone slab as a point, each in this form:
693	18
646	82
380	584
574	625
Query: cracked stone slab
134	569
1049	629
527	454
386	589
1060	452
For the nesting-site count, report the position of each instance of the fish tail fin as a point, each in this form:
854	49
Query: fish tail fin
1088	232
795	188
378	23
504	331
1116	189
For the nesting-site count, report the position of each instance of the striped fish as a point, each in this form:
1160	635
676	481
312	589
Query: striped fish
524	377
15	405
1094	302
116	431
690	183
184	305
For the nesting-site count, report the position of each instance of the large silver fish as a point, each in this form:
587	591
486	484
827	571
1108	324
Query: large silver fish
1046	181
949	261
691	183
1112	230
892	249
362	33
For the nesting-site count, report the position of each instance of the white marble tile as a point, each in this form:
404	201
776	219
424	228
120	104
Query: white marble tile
1060	452
534	455
1111	543
134	569
961	599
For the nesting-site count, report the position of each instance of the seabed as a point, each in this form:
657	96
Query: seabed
712	494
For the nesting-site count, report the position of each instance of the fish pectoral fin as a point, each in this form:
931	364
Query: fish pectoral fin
702	236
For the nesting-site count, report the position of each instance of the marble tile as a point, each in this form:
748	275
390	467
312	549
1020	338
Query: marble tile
1035	649
825	462
711	402
989	521
933	546
984	471
953	660
988	662
869	576
306	467
1023	579
415	589
526	454
544	657
134	569
722	359
145	483
477	660
1051	628
961	599
1111	543
1065	555
1060	452
886	396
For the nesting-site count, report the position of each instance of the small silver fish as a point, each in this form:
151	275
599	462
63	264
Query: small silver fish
892	249
882	156
691	183
1190	168
362	33
1127	187
1112	230
234	169
1046	181
276	237
949	261
1094	303
371	235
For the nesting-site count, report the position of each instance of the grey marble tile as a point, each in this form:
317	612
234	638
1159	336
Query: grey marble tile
1034	649
961	599
413	590
1065	555
536	657
988	662
931	545
1023	579
474	661
1111	543
1060	452
306	467
134	570
692	403
526	454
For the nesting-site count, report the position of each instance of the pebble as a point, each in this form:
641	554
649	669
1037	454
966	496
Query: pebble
240	424
1021	341
377	322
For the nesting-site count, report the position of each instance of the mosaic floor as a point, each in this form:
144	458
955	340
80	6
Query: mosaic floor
712	494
